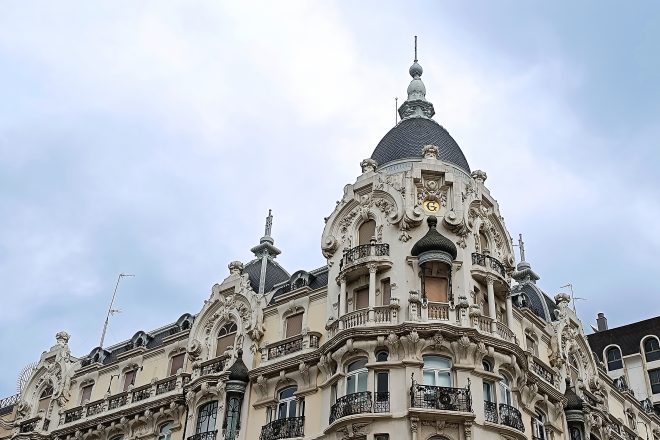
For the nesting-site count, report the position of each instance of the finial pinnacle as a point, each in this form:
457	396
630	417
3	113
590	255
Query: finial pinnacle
269	223
521	245
415	48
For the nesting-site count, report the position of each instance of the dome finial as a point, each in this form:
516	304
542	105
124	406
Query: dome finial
416	105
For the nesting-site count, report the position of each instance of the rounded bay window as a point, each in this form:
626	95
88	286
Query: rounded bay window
435	254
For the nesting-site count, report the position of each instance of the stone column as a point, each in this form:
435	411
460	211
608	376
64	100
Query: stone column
342	300
491	304
372	290
509	311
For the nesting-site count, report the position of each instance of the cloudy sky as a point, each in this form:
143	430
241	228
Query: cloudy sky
152	137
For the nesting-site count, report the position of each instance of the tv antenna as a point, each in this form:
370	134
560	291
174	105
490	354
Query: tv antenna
112	311
396	111
573	297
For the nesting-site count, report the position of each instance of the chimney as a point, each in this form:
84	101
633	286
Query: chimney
601	321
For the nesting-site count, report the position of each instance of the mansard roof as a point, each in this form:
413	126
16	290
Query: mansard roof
408	137
275	274
627	337
534	299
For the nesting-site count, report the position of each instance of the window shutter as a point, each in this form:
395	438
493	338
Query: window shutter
366	231
224	342
361	299
436	289
86	394
294	325
177	362
387	292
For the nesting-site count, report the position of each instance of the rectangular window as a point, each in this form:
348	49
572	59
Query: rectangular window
382	381
654	377
177	363
488	391
129	379
436	289
333	394
361	298
387	292
85	394
294	325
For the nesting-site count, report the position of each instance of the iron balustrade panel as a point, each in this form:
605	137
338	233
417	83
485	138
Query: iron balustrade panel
356	403
283	428
489	262
365	250
118	401
214	367
209	435
95	408
543	372
510	416
7	404
443	398
28	426
165	387
142	394
490	411
381	402
285	348
73	415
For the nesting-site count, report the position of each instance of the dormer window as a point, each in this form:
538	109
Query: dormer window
614	361
652	349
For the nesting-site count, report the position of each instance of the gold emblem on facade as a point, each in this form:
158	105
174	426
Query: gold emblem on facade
431	205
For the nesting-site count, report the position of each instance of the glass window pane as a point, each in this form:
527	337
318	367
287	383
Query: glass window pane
362	382
436	362
444	379
350	384
488	392
429	378
382	382
357	365
292	408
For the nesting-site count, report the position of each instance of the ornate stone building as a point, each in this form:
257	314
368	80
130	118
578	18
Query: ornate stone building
420	326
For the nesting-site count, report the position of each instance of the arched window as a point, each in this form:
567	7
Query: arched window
437	371
356	376
286	407
538	426
366	231
382	356
483	243
165	431
44	397
226	338
614	361
652	349
206	417
505	391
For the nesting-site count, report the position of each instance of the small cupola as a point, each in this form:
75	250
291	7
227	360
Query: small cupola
239	371
434	246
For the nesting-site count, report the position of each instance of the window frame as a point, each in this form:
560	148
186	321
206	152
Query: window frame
209	411
288	402
356	375
504	387
230	329
654	353
538	426
655	386
128	383
182	355
165	435
437	372
618	361
300	313
83	388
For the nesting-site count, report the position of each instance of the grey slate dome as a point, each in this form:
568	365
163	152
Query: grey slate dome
408	137
239	371
573	401
434	244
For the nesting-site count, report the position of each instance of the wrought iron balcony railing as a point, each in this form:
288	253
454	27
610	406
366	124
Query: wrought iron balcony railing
214	366
510	416
443	398
283	428
286	347
356	403
362	251
490	411
489	262
209	435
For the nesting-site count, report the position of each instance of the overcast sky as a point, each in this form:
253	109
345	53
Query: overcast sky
152	137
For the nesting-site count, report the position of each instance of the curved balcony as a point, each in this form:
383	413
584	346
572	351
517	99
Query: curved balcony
511	417
359	403
484	266
441	398
283	428
355	260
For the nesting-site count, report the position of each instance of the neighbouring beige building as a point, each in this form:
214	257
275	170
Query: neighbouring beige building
421	326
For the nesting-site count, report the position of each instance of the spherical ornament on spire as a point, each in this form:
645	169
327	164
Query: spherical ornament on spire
416	70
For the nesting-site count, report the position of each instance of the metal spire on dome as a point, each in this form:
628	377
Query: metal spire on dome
265	250
416	105
524	270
